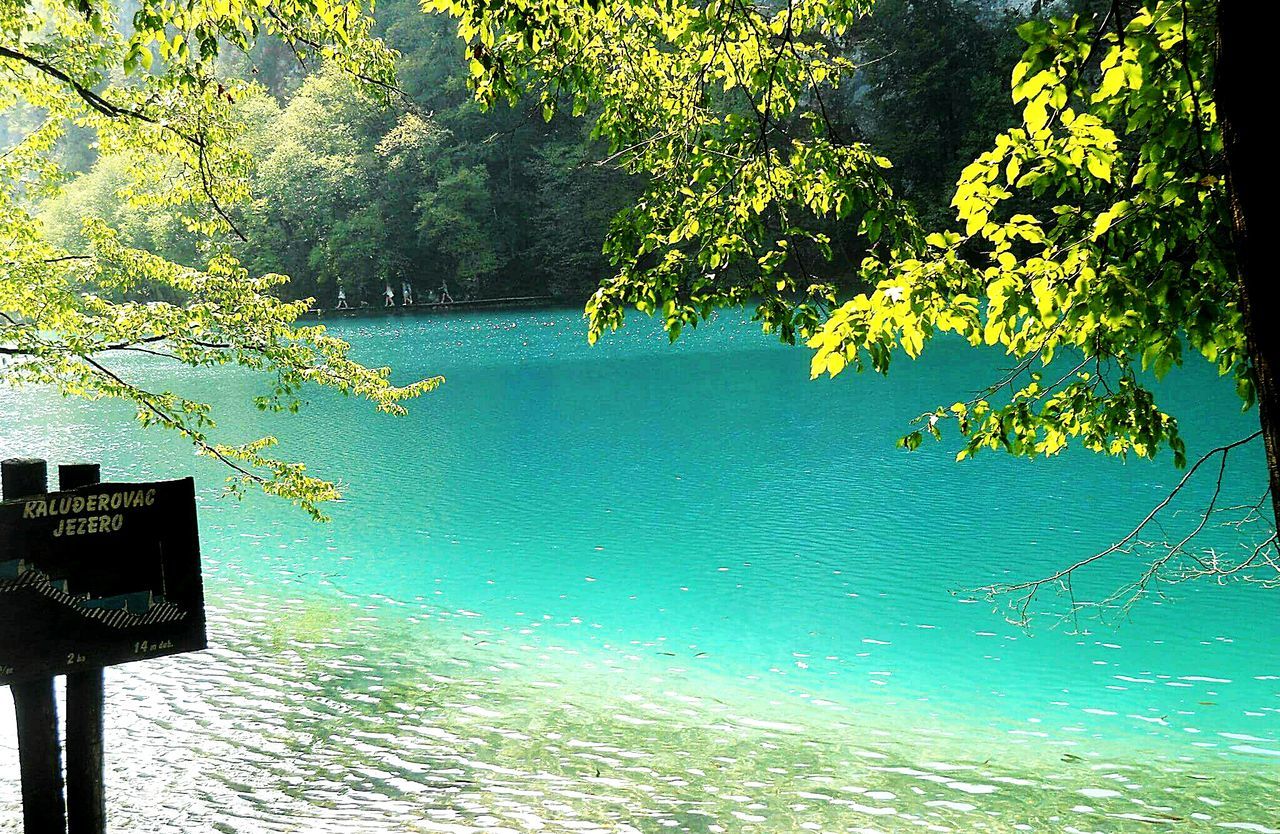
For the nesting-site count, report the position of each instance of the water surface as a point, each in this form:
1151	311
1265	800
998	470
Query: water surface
639	587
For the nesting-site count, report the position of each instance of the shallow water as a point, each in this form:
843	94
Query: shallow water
646	588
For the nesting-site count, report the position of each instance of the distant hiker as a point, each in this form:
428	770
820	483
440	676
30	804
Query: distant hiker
445	298
342	300
391	297
407	292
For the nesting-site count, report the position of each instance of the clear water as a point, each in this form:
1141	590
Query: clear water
639	587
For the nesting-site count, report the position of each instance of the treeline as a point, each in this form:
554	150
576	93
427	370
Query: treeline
433	190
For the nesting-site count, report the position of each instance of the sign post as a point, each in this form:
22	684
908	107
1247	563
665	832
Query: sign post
39	755
94	575
86	796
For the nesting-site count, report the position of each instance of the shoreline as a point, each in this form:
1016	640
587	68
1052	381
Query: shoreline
371	311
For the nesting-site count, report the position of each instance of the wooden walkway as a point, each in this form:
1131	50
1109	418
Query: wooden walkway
370	311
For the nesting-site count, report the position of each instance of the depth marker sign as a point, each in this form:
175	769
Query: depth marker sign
97	576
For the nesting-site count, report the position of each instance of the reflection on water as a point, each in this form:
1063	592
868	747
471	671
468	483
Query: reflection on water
646	589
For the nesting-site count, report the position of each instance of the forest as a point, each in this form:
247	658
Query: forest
432	189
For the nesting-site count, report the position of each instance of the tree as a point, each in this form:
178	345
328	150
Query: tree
1098	230
1120	250
456	221
329	190
722	106
1242	131
171	125
577	196
935	74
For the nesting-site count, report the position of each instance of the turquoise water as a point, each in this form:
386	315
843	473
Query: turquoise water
650	587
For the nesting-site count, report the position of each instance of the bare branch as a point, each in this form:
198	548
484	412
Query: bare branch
1024	593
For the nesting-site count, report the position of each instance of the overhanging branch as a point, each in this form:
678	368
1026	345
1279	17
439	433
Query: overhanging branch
93	99
1209	565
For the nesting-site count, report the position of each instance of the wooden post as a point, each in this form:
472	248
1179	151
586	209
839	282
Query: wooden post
39	753
86	801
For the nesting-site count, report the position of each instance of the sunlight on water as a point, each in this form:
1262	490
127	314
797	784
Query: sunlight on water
652	588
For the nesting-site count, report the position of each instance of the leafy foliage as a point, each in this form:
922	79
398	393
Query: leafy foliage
533	200
171	127
721	106
1097	228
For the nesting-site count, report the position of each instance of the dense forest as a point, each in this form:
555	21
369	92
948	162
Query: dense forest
432	189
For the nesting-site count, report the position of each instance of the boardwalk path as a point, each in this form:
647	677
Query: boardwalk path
457	306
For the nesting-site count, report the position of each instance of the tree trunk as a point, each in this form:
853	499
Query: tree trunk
1241	113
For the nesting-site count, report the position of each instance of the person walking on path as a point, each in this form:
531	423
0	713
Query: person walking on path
342	299
445	298
391	297
407	292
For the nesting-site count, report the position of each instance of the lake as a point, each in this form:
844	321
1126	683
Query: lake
650	588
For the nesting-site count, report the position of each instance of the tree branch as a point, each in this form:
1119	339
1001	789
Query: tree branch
1029	589
94	100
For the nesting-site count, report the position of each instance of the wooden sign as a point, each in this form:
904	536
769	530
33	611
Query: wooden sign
98	576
